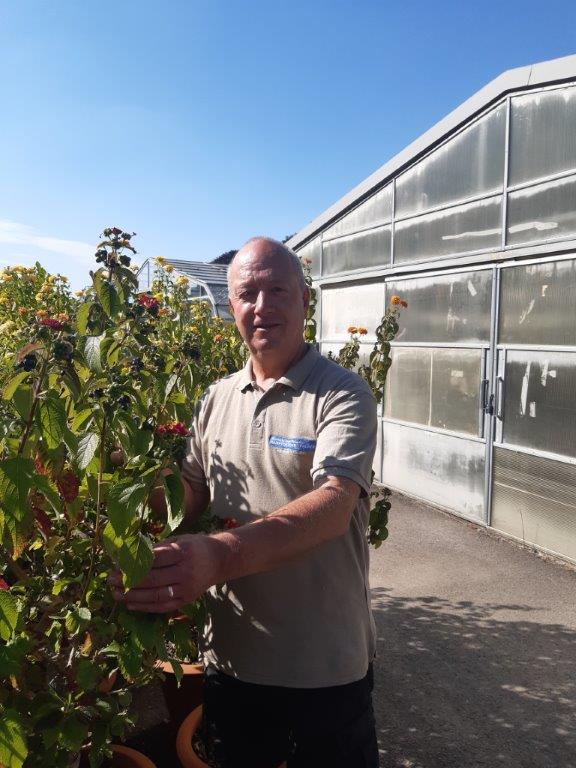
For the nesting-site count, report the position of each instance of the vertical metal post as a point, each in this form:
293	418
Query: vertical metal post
491	375
506	172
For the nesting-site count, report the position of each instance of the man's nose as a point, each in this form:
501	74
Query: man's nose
262	302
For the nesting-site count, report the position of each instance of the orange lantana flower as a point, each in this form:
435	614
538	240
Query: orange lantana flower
352	329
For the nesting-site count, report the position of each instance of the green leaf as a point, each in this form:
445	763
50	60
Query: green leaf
145	629
174	500
16	475
135	559
129	661
13	747
92	353
77	619
87	447
8	614
170	384
23	400
107	294
52	420
82	316
73	733
87	675
124	500
13	385
43	484
80	419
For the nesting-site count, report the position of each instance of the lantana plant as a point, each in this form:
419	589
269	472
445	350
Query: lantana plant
97	398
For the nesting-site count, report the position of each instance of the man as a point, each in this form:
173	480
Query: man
285	447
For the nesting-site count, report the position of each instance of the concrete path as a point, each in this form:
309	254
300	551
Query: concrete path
476	658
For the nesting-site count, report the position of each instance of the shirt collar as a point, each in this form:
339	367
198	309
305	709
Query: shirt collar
294	376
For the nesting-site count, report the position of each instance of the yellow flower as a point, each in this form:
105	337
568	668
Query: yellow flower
80	294
158	296
160	261
182	280
163	311
169	268
395	300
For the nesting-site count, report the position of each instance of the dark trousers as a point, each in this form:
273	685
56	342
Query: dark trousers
261	726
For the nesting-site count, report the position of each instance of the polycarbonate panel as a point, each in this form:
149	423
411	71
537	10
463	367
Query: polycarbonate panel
445	308
542	134
363	356
312	251
367	249
455	389
539	401
470	164
437	468
538	304
544	212
360	305
407	394
375	210
533	499
462	229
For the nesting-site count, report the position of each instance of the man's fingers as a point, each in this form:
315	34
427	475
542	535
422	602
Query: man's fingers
156	596
167	553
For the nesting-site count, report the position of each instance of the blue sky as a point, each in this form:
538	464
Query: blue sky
198	124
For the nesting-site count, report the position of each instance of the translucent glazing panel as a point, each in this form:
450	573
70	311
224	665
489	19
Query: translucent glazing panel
539	402
533	499
367	249
312	251
363	357
455	389
407	395
544	212
470	164
438	468
445	308
359	305
375	210
538	304
462	229
542	134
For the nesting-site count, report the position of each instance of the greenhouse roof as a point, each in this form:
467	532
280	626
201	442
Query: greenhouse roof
547	72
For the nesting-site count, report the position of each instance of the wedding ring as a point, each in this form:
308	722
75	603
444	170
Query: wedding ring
170	592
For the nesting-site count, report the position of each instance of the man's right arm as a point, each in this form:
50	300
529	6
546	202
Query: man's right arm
196	499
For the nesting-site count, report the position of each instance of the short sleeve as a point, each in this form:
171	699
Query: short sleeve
346	437
193	464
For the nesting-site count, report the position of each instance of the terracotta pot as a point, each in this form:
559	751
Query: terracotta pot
126	757
188	758
123	757
180	700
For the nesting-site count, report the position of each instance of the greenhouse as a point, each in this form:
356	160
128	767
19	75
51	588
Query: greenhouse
474	225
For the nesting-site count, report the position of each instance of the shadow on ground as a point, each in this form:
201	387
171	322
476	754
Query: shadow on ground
459	687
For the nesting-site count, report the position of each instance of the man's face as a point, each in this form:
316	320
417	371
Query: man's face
267	300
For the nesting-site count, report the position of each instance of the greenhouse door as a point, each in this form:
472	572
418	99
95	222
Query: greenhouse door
533	462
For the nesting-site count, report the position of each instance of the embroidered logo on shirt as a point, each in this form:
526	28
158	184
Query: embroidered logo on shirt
292	444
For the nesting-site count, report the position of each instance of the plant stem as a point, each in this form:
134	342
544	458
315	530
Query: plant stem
96	539
32	413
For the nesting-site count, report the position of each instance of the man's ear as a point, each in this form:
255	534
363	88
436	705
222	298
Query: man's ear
230	307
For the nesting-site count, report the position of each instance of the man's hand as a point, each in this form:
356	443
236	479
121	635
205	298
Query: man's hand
183	569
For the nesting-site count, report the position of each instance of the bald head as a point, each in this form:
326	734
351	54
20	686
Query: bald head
270	248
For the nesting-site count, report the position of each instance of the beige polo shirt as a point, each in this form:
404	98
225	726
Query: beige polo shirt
307	623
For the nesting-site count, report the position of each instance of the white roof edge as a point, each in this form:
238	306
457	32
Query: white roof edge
533	75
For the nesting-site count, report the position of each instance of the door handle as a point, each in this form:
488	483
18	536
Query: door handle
486	402
500	389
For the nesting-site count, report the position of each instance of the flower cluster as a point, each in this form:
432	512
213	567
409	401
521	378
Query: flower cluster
148	302
56	322
357	329
397	301
172	428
